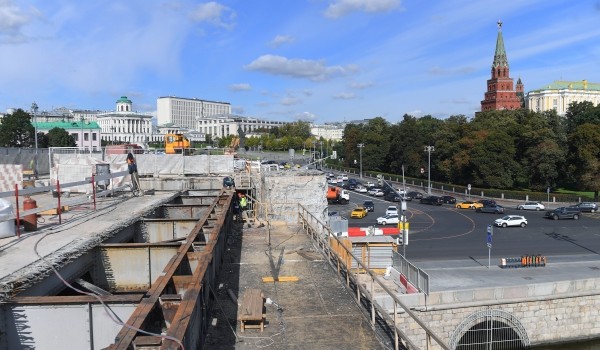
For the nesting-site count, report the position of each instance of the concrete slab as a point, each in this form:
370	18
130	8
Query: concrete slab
81	229
317	312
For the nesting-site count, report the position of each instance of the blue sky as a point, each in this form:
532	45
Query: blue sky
314	60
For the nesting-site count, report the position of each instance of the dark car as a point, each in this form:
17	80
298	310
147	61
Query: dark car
492	208
414	195
432	200
586	206
392	196
369	205
487	202
564	213
448	199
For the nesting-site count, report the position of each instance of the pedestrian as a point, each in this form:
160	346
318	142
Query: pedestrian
228	182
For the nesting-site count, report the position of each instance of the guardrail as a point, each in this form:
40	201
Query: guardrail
19	215
321	234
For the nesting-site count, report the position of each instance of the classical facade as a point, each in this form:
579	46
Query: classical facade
184	111
500	93
560	94
225	125
328	131
126	126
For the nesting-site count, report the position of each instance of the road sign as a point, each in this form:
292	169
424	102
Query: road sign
469	187
489	236
489	245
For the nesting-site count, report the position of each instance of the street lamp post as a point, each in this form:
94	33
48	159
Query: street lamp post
360	147
429	149
34	109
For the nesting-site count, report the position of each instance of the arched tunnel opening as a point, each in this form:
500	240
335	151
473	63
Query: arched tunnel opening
500	335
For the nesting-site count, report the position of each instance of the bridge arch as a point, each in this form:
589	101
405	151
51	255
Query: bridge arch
481	328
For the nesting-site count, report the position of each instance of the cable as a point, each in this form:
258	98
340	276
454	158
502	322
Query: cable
111	314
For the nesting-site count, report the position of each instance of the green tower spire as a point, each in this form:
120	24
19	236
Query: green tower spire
500	59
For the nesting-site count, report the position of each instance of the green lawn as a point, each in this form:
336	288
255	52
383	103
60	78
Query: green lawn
577	193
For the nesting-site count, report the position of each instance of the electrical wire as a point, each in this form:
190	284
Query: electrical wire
111	314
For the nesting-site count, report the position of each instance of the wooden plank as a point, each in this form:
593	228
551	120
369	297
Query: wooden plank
280	279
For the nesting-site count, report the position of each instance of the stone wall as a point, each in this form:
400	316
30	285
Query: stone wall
548	312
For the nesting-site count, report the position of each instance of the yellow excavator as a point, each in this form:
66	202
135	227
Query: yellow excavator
177	144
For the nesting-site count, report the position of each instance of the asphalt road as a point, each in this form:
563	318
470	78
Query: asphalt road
446	233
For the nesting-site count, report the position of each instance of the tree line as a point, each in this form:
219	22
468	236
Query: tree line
506	149
17	130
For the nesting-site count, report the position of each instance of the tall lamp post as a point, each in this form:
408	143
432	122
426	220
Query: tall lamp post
429	149
360	147
34	109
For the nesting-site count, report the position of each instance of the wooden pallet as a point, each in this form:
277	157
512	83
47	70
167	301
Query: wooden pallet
251	312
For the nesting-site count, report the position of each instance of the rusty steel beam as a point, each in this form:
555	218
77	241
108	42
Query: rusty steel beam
126	336
77	299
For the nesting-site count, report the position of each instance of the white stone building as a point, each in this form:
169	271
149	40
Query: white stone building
328	131
225	125
126	126
184	111
560	94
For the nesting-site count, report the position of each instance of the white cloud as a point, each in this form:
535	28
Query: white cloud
344	96
360	86
12	21
214	13
340	8
290	101
305	116
240	87
297	68
436	70
280	40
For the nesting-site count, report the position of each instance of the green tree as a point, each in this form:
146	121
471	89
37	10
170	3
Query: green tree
59	137
585	157
16	130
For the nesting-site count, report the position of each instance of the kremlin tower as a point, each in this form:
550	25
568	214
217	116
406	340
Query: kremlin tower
500	93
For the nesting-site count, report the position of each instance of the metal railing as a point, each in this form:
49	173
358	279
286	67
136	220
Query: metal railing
321	234
413	274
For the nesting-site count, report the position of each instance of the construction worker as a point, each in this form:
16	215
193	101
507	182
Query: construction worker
243	202
228	182
132	167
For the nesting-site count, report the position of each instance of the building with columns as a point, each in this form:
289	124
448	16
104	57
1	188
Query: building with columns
500	93
225	125
560	94
184	111
328	131
126	126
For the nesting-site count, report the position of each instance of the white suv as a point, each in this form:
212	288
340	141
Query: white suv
391	210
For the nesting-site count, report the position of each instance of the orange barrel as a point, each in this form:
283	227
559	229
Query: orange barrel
30	221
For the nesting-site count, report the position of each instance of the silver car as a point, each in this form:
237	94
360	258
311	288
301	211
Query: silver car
531	206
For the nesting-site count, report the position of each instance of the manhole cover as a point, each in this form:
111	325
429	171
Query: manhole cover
528	278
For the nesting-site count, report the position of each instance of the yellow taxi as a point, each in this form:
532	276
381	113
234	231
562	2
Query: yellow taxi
359	213
469	205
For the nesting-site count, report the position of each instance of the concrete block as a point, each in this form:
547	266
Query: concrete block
563	287
514	292
484	294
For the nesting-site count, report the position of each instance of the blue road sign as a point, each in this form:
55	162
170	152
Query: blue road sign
489	235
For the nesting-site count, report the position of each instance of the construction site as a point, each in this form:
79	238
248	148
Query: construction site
214	252
178	266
